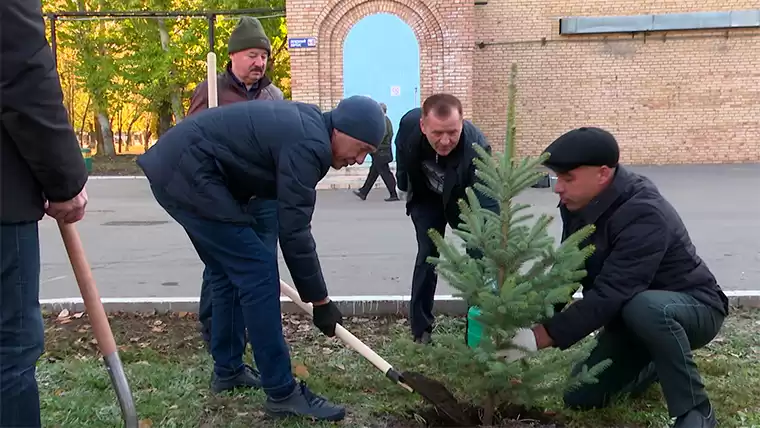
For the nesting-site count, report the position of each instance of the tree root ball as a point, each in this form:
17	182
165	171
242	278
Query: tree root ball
447	411
507	416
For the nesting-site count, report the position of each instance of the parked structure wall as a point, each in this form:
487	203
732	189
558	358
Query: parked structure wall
669	97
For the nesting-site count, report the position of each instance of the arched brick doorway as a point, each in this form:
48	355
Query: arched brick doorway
381	59
445	62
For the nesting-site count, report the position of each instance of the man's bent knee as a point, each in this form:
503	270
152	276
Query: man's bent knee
642	311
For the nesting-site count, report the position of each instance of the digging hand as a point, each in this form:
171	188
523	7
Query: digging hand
524	342
326	316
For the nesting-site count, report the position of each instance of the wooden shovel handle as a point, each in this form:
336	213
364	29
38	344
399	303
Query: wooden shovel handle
213	100
88	289
341	332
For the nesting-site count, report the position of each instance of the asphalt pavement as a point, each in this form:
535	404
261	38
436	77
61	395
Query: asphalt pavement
368	247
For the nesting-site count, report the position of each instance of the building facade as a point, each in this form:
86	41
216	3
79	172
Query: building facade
676	81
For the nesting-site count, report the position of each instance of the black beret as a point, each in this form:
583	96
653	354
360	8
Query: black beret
585	146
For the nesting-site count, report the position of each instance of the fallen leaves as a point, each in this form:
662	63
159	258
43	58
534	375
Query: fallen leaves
65	317
300	371
157	326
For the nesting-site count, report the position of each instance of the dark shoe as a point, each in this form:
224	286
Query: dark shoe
392	198
303	402
247	378
698	417
423	339
361	195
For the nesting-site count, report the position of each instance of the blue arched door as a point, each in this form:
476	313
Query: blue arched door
381	59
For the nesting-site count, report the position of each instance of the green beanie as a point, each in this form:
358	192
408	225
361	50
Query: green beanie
248	34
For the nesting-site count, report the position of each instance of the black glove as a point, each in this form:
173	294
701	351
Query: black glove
326	316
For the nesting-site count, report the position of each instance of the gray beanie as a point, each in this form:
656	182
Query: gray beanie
248	33
361	118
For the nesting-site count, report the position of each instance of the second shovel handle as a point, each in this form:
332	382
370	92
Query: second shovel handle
341	332
94	307
213	101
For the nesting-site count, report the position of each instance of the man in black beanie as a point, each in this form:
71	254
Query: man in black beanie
434	166
206	169
654	297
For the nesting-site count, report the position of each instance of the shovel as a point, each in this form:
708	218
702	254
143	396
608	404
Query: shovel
99	321
431	390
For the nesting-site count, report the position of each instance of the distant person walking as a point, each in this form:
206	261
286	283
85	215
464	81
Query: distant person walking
381	164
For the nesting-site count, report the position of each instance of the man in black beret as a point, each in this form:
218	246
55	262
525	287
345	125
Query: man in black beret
434	166
204	172
654	297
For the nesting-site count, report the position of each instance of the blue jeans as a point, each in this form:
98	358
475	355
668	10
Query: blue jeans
238	260
22	335
265	212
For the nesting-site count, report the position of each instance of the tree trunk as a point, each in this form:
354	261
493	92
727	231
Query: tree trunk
489	410
149	127
164	118
84	120
121	127
176	102
107	133
99	150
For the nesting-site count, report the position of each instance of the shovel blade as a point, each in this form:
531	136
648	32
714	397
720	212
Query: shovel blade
121	386
438	395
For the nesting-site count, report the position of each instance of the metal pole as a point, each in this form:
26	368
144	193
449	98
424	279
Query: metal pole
142	13
53	39
211	22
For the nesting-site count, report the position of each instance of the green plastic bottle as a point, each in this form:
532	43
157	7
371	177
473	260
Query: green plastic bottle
474	328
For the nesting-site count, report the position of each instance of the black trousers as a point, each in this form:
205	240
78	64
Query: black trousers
651	341
427	212
383	170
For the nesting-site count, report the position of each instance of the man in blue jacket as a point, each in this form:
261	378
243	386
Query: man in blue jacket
204	172
434	166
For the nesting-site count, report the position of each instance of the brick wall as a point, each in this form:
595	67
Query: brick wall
676	97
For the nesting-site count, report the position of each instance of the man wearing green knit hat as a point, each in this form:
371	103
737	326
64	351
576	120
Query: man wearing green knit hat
249	49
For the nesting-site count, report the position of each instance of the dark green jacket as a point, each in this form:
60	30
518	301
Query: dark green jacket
384	153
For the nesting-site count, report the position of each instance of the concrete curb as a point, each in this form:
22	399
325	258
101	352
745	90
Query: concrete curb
349	305
338	182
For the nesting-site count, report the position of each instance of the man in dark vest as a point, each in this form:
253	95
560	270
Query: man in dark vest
243	80
41	172
204	173
381	165
434	166
653	296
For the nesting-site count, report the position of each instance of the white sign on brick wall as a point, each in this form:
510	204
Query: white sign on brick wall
395	91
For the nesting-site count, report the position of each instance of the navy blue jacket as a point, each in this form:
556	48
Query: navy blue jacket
641	244
409	175
213	162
